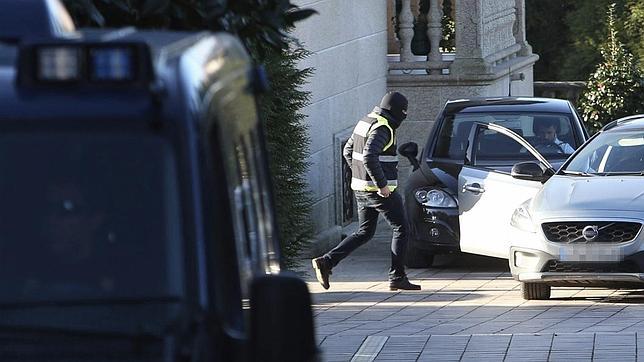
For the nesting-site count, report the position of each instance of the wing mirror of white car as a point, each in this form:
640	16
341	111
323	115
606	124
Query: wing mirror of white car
531	171
409	150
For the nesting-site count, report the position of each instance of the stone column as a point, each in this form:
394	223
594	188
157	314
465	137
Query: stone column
406	32
469	38
435	33
519	29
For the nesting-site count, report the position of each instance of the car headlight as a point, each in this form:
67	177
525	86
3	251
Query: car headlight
521	218
434	198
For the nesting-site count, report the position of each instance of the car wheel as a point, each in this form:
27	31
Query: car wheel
418	258
535	291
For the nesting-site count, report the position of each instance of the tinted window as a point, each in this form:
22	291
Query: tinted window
88	216
550	134
621	152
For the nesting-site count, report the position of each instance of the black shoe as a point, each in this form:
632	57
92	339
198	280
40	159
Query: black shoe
322	271
403	284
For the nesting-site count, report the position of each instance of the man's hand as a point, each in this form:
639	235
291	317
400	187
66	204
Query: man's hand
384	192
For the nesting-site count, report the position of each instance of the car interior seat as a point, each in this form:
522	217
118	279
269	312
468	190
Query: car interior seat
459	141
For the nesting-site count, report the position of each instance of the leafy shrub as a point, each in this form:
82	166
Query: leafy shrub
615	88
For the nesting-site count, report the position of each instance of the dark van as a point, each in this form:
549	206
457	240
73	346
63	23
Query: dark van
136	215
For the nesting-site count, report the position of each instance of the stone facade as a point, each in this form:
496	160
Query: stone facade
348	41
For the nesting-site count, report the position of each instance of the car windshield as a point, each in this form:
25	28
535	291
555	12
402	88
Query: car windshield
88	216
551	134
611	153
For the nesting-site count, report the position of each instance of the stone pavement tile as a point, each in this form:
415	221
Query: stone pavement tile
402	348
406	297
369	349
338	315
488	328
534	325
615	347
563	293
604	311
520	314
631	311
450	311
446	328
356	332
404	330
573	325
340	348
465	323
445	296
373	314
529	347
467	284
488	312
613	327
567	346
444	348
637	327
333	328
420	306
401	317
490	347
561	312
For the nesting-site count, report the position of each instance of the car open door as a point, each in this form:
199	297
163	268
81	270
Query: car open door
487	193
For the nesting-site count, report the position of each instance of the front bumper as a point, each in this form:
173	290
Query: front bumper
590	278
435	229
536	266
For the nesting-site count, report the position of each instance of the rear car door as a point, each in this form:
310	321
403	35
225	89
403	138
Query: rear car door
487	193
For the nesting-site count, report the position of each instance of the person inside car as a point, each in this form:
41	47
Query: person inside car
546	130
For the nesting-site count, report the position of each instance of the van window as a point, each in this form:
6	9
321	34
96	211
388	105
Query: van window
88	215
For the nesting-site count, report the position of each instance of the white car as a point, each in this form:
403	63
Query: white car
584	226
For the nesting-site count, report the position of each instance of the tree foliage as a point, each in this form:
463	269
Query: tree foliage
567	33
288	144
615	89
634	26
262	26
550	39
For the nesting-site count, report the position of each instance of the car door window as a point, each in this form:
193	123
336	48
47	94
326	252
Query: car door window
497	151
550	133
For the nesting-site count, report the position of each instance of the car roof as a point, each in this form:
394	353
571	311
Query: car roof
507	104
630	123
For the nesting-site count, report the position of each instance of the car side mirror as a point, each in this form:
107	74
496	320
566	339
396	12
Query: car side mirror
281	320
410	151
531	171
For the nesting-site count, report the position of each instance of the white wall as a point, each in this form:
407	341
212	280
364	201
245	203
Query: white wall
348	40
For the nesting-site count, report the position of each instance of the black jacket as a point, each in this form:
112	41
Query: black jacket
374	146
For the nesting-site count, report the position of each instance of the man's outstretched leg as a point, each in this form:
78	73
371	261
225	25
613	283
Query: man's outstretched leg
368	219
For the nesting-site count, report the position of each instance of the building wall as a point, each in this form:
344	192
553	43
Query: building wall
348	41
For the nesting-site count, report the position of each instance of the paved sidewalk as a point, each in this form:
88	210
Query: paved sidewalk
470	309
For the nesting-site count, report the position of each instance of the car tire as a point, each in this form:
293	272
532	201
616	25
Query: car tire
418	258
537	291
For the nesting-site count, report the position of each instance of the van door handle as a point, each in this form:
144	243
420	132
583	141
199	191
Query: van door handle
475	188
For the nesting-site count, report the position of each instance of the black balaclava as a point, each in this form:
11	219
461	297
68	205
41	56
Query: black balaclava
396	104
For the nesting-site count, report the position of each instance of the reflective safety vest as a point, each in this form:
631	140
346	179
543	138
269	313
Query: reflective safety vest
361	181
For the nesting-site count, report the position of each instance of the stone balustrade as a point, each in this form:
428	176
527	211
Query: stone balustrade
489	35
433	63
564	90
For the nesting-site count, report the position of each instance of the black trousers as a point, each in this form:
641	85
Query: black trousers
370	205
